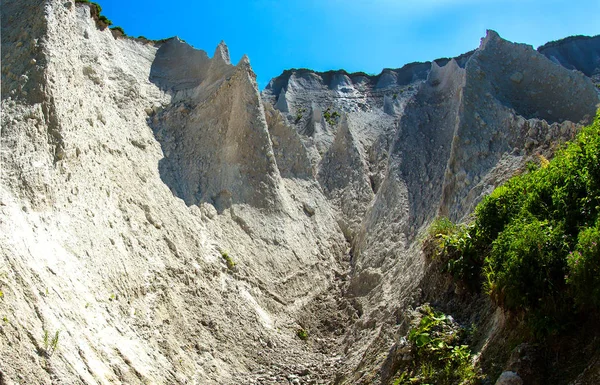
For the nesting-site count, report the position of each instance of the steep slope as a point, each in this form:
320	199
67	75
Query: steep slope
94	244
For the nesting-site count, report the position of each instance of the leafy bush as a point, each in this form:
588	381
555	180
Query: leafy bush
453	247
440	355
96	6
462	256
440	227
534	240
95	12
525	268
584	268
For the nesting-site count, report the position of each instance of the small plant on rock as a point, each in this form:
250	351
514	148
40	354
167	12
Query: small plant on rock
228	261
302	334
95	10
105	20
50	344
299	113
331	117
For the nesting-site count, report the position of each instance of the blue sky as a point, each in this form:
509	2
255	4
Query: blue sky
356	35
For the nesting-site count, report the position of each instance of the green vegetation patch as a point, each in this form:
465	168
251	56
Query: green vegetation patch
302	334
50	344
105	20
452	245
228	260
299	113
95	6
331	117
439	352
533	245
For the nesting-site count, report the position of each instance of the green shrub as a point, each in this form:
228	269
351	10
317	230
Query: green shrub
584	268
434	241
440	355
497	209
97	6
525	268
453	246
95	12
533	243
331	117
462	256
441	226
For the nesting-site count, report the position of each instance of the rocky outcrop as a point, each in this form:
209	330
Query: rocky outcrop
214	133
509	378
290	154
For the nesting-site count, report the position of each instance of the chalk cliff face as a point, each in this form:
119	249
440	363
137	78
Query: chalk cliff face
131	169
127	169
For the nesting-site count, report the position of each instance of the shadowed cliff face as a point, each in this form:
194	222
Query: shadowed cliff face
509	88
580	53
214	133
